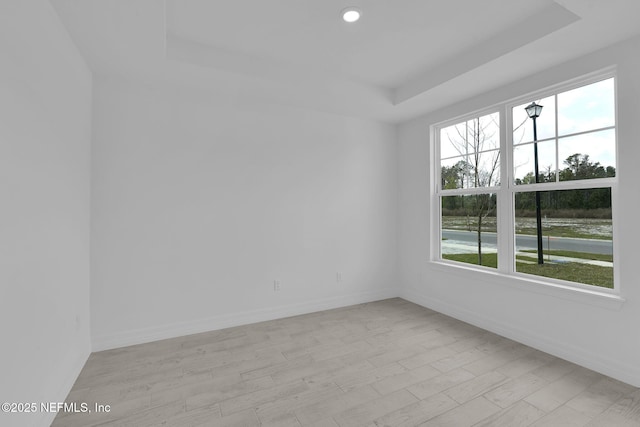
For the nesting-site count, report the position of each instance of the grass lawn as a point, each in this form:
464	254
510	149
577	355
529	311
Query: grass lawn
570	271
571	254
488	260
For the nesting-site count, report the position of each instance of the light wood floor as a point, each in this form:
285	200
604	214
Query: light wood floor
388	363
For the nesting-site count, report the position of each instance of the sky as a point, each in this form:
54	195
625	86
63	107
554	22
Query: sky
585	109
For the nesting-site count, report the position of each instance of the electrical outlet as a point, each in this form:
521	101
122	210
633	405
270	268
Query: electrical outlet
276	285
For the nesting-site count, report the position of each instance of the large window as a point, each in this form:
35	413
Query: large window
496	212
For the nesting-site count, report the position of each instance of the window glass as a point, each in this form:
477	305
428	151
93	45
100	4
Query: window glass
587	156
470	153
453	141
469	232
453	173
488	131
586	108
577	235
546	123
524	162
485	168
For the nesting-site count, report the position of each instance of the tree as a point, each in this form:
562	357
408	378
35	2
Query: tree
547	176
479	167
577	166
453	176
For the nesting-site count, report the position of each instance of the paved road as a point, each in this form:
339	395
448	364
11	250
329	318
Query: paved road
530	242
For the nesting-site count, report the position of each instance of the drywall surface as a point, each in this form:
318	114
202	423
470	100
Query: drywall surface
586	329
202	205
45	134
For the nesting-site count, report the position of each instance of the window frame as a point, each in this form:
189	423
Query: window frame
465	191
507	189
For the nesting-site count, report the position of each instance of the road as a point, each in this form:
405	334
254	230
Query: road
530	242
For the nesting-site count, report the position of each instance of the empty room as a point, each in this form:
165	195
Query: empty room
319	213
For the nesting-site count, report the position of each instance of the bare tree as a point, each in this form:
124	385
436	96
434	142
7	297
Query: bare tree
475	141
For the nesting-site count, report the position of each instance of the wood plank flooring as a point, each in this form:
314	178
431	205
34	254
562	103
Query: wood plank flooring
387	363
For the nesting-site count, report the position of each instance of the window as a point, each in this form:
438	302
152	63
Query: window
470	166
496	212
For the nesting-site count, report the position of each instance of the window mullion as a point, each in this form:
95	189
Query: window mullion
436	189
557	145
565	185
505	220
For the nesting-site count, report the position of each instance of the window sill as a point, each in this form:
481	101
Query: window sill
595	297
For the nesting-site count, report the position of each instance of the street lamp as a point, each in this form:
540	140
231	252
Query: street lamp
533	111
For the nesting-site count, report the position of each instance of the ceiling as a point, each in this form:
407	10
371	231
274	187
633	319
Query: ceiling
403	58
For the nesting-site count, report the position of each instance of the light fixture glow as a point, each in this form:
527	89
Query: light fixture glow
351	14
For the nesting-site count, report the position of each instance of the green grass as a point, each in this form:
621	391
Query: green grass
488	260
570	271
571	254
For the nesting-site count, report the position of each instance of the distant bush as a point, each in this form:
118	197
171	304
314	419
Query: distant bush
604	213
463	212
551	213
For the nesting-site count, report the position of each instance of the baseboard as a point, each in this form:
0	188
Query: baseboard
62	384
629	374
156	333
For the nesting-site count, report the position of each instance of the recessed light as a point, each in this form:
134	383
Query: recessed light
351	14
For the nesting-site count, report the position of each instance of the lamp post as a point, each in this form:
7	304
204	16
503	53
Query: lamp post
533	111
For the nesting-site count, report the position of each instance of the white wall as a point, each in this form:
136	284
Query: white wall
199	203
588	330
45	132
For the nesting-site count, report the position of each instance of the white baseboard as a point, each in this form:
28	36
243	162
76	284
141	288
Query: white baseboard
156	333
623	372
62	384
